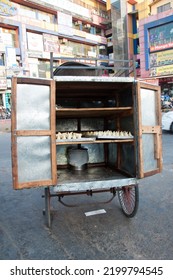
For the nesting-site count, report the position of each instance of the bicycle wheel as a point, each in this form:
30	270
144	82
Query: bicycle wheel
129	200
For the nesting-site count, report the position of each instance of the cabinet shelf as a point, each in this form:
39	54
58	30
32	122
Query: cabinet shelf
92	178
92	112
130	140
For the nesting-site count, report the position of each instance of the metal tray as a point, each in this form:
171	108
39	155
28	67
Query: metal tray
114	137
83	139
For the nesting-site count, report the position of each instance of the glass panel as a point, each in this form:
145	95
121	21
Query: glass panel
150	163
32	150
148	107
33	107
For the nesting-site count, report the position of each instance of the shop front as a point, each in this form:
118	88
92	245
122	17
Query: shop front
161	59
166	84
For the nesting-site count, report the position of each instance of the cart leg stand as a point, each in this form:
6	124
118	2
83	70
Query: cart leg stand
47	206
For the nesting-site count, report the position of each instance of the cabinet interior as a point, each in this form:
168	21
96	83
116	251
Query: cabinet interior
83	107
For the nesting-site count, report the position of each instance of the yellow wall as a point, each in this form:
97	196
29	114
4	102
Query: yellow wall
108	4
143	8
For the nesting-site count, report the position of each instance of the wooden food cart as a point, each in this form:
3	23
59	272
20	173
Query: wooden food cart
85	134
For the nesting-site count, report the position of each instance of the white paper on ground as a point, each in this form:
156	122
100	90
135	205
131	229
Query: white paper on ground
96	212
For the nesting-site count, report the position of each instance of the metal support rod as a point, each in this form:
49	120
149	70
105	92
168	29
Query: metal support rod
47	206
51	65
134	67
89	193
130	65
62	194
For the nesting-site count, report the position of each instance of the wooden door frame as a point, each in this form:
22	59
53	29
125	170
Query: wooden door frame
16	133
156	130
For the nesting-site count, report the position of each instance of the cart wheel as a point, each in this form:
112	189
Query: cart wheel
129	200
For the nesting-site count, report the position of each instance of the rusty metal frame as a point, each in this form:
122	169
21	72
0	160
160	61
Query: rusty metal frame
48	195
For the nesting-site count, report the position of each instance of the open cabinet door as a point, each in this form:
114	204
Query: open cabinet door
149	130
33	133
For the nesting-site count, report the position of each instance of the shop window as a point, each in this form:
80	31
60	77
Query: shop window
1	100
103	53
84	27
136	46
36	14
164	8
137	63
45	17
93	30
33	67
35	41
82	50
10	37
77	24
27	12
43	69
98	31
87	27
2	60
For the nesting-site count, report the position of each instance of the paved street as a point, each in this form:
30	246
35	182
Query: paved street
149	235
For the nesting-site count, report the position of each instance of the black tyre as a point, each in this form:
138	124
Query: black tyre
129	200
171	128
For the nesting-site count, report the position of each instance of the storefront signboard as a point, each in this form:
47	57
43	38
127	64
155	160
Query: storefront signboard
66	50
35	54
151	81
51	43
161	37
161	58
166	80
161	47
7	8
92	54
3	83
35	41
2	45
164	70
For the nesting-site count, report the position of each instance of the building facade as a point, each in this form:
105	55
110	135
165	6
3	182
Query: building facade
30	30
156	45
118	29
144	30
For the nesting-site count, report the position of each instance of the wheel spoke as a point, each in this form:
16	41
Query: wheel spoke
128	197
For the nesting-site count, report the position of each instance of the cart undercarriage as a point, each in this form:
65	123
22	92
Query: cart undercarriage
92	181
